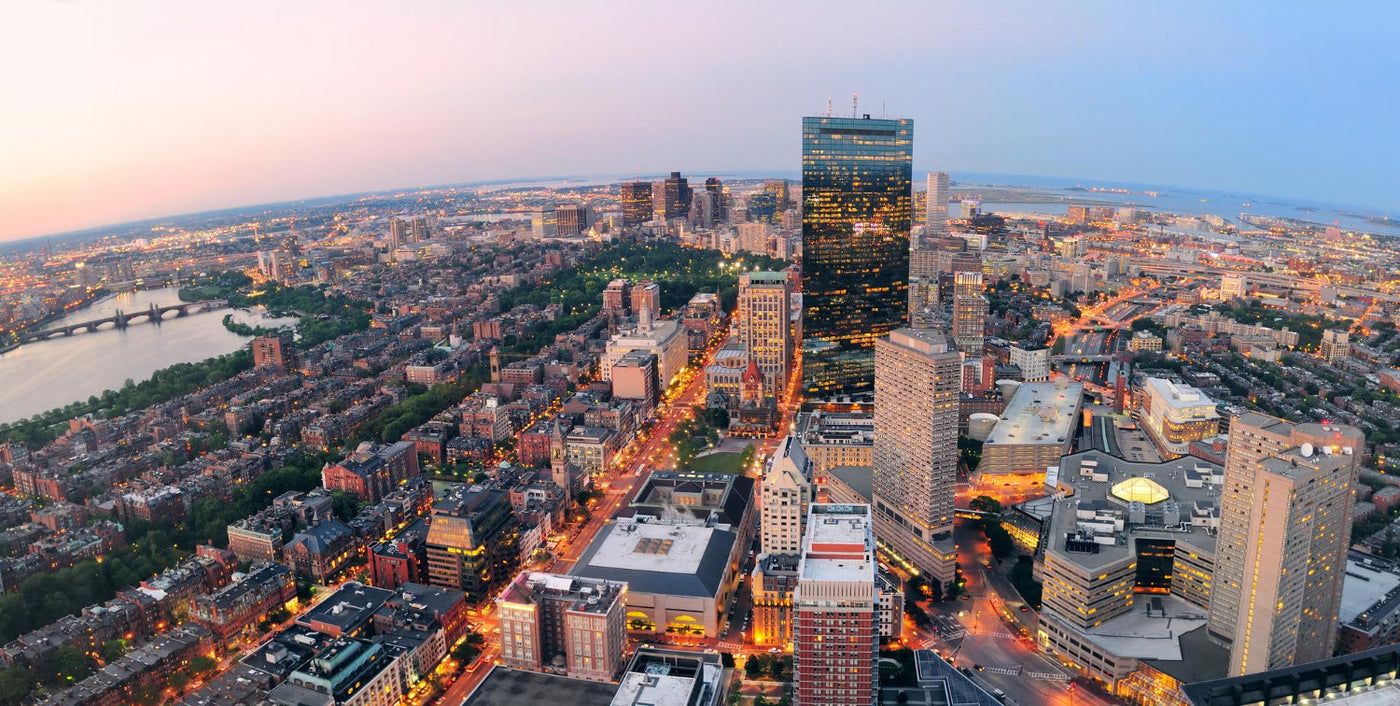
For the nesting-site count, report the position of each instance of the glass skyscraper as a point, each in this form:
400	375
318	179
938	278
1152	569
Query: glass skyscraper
857	202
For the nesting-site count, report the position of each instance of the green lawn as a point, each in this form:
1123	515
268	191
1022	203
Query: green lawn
725	462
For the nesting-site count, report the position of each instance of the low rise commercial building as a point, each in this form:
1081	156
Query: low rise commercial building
661	676
373	470
1128	563
1036	428
1175	414
663	338
1370	611
680	577
563	624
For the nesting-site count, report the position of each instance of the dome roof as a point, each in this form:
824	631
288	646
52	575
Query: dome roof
1143	490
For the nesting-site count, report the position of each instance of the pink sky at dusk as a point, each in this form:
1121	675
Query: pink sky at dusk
116	111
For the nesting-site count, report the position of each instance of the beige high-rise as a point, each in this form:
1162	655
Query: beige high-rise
784	494
918	376
1285	523
936	207
763	326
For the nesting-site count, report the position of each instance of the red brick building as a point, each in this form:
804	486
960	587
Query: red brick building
372	472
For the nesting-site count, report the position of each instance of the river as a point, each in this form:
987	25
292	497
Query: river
40	376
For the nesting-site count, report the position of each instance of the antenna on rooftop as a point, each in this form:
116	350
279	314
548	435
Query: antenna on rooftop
828	106
855	112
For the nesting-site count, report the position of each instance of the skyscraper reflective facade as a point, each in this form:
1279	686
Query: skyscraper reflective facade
856	177
636	202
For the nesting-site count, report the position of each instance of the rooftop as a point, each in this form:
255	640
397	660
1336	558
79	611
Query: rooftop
840	428
1201	659
1189	512
1370	592
353	605
839	544
504	686
660	676
583	594
1039	413
1178	395
1151	630
686	560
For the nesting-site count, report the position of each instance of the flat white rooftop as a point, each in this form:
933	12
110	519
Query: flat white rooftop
839	545
1158	636
1364	587
1177	395
658	688
1039	413
641	546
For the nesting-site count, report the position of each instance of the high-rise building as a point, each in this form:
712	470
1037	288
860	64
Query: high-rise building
1234	287
917	383
715	188
703	209
1034	364
1294	560
779	188
570	220
636	203
784	494
836	637
856	175
1174	415
549	619
763	326
1336	345
936	208
645	294
396	234
544	222
969	313
1251	529
676	195
617	296
923	301
267	350
473	542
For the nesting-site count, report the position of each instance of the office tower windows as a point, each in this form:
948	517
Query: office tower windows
936	208
764	327
856	175
918	377
969	313
1287	499
636	203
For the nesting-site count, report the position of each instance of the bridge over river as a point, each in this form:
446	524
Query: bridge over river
121	319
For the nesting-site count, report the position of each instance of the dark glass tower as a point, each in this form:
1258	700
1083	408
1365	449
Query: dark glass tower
856	208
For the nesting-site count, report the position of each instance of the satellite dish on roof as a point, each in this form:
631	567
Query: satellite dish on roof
1306	450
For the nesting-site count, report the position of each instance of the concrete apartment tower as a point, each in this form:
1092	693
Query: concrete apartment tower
1285	524
918	376
836	637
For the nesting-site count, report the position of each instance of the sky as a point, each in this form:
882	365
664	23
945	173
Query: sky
118	111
